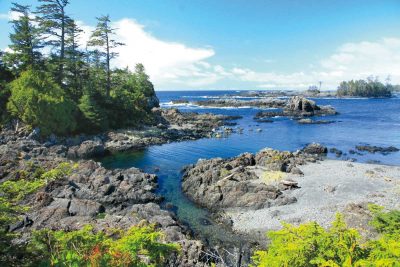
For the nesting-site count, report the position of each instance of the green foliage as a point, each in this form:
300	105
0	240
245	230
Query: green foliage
311	245
69	90
25	41
138	246
102	39
386	222
369	88
94	117
38	101
11	194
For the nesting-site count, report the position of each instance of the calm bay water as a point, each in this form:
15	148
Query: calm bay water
361	121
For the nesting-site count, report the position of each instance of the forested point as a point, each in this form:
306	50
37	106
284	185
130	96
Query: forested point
49	82
365	88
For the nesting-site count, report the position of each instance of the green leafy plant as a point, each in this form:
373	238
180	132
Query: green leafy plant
137	246
311	245
39	102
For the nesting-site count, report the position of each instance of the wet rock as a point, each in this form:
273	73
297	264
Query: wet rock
377	149
336	151
310	121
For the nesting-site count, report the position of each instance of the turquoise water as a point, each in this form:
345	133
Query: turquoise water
361	121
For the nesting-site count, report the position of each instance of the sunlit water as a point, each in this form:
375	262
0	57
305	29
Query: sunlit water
361	121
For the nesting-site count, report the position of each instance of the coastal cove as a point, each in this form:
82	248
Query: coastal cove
199	133
360	121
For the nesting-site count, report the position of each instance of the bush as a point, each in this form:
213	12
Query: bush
138	246
311	245
39	102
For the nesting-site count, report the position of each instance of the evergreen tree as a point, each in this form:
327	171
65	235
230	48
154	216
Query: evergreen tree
102	38
75	67
94	117
5	77
53	21
25	42
40	102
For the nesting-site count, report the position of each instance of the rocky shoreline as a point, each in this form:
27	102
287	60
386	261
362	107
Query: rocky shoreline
172	126
254	193
247	181
91	194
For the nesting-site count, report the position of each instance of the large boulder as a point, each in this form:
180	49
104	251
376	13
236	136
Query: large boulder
88	149
301	104
218	184
315	148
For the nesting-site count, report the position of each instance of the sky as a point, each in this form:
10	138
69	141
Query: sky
246	45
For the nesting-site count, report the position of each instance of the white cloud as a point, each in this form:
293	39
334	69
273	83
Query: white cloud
350	61
174	65
11	15
166	62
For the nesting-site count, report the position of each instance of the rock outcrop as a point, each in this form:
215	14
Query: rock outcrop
377	149
246	181
91	194
262	103
298	107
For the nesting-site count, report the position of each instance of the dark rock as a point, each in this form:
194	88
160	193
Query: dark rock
377	149
88	149
336	151
315	148
81	207
285	200
310	121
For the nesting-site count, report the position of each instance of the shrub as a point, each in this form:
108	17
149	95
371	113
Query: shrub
311	245
39	102
137	246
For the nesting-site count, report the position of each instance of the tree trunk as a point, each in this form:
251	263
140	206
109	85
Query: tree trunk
108	68
62	49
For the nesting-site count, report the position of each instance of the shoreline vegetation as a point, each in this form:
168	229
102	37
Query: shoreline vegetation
62	109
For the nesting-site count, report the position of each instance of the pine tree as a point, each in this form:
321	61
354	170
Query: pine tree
75	68
53	21
25	42
102	37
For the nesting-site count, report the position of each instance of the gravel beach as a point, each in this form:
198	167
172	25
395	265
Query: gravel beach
326	188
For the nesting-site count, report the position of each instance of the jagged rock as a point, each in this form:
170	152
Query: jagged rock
315	148
299	104
377	149
88	149
84	207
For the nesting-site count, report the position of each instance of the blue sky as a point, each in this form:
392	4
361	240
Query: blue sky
238	44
